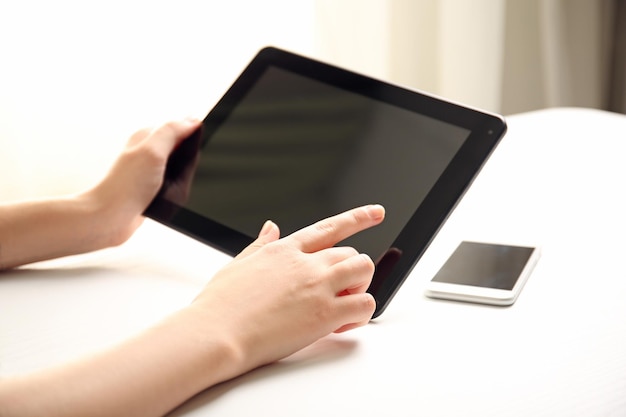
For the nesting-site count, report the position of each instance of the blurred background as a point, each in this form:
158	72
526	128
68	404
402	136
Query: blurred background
78	77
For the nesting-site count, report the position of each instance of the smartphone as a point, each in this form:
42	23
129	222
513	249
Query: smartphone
485	273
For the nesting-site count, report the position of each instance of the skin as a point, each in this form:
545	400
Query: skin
276	297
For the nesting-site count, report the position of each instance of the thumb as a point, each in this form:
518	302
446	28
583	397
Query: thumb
269	233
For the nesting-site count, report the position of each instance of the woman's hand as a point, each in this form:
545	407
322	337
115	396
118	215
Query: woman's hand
280	295
135	178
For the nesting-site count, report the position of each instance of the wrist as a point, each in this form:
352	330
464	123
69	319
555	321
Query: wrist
92	222
105	220
202	352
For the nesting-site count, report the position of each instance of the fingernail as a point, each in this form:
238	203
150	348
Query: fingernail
376	211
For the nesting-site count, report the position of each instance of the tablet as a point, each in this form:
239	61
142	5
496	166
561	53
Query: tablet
296	140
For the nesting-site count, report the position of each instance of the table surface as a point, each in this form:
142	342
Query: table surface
557	180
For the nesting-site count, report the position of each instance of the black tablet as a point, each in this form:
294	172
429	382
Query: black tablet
296	140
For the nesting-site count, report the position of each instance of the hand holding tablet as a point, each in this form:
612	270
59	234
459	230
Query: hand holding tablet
296	140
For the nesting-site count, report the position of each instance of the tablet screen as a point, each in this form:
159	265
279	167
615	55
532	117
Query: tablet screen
266	161
294	147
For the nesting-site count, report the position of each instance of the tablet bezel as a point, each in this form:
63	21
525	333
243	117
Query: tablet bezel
486	130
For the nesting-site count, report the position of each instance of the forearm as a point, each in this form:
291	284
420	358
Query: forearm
46	229
148	375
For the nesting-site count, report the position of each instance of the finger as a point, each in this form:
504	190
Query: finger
269	233
356	310
330	231
166	137
352	275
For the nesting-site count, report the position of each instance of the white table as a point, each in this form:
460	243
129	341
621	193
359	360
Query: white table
558	180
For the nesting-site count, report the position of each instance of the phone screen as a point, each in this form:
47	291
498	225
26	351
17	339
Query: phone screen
485	265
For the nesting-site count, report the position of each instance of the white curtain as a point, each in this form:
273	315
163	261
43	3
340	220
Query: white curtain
507	56
562	53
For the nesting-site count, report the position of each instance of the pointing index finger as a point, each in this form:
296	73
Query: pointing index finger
328	232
